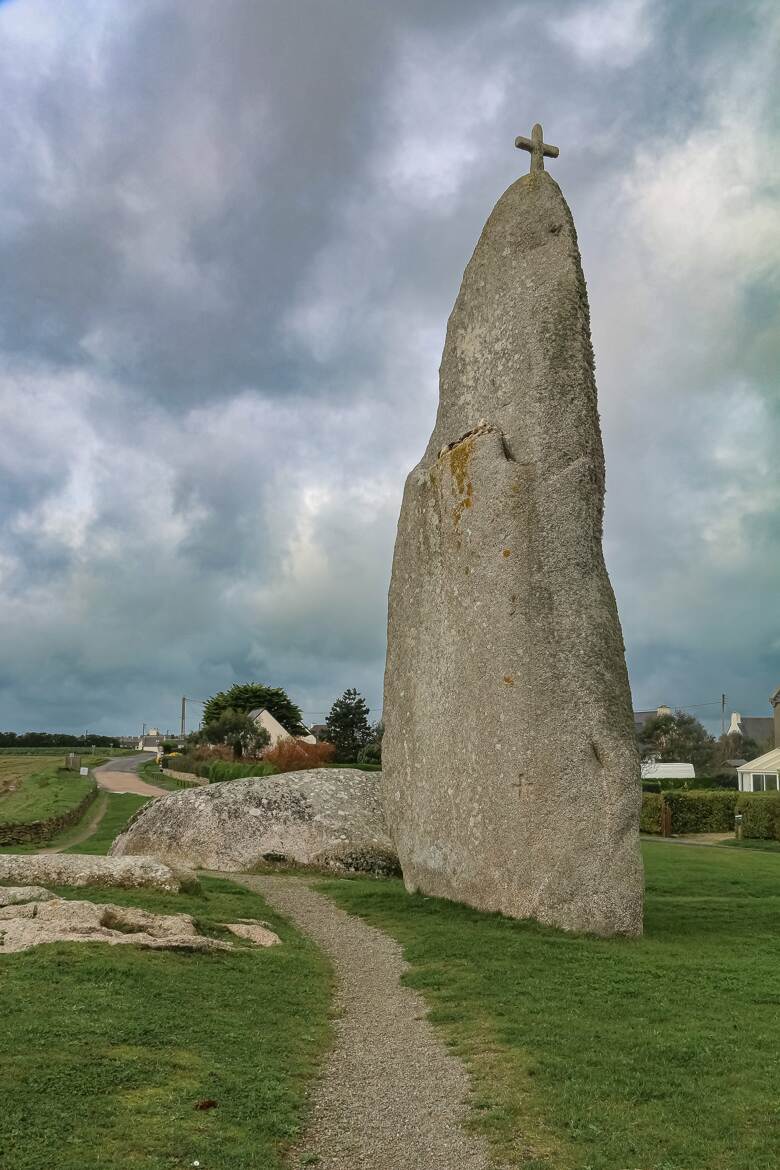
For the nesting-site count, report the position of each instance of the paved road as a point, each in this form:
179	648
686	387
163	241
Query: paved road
120	776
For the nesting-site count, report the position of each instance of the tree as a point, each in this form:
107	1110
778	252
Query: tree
734	747
679	738
348	726
248	696
238	731
371	753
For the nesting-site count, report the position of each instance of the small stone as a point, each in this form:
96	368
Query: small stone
254	931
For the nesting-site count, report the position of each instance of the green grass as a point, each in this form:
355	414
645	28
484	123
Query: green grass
587	1054
121	806
151	773
44	793
750	843
107	1050
14	768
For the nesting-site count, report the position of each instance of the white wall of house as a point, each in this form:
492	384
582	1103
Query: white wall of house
762	774
275	730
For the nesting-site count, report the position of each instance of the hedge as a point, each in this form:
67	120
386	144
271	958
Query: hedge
218	770
650	817
708	811
677	784
760	815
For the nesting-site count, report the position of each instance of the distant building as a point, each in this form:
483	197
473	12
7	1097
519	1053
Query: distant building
320	732
763	773
264	718
642	718
762	729
151	741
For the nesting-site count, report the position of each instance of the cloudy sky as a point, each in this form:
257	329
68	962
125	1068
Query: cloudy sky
230	237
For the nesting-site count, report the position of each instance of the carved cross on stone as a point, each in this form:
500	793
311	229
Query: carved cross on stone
537	147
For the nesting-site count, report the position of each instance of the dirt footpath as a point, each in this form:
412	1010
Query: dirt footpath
120	775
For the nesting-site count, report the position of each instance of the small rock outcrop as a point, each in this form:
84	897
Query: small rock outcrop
257	932
330	818
15	895
509	758
60	920
73	869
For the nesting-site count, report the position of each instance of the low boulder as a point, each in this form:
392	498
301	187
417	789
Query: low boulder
61	920
73	869
328	818
17	895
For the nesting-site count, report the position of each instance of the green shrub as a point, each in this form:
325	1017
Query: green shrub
651	785
760	815
215	771
221	770
650	817
695	785
708	811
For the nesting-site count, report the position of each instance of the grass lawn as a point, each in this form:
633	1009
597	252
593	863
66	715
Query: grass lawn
152	774
658	1054
39	792
751	843
121	806
14	768
106	1051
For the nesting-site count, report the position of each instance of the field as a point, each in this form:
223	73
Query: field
659	1054
32	789
112	1048
14	768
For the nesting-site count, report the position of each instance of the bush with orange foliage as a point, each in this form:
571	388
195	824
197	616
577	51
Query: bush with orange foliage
207	753
292	755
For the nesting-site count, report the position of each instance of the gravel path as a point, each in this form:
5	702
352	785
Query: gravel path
391	1096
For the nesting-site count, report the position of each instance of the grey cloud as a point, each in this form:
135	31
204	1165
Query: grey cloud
229	241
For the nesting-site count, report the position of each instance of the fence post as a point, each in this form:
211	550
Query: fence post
666	819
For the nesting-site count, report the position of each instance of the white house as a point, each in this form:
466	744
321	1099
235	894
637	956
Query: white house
761	774
653	770
264	718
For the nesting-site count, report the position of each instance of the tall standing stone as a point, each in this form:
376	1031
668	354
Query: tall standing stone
511	776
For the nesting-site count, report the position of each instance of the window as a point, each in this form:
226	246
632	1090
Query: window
758	782
765	781
770	782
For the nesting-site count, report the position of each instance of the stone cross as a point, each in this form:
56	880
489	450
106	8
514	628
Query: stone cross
537	147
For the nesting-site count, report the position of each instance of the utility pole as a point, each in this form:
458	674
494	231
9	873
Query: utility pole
183	716
722	714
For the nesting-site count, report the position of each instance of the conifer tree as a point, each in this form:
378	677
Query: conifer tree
348	726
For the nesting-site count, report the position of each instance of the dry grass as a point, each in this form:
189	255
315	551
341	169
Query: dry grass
13	769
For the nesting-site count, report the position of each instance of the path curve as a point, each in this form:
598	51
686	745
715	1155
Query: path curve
96	814
119	775
391	1096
